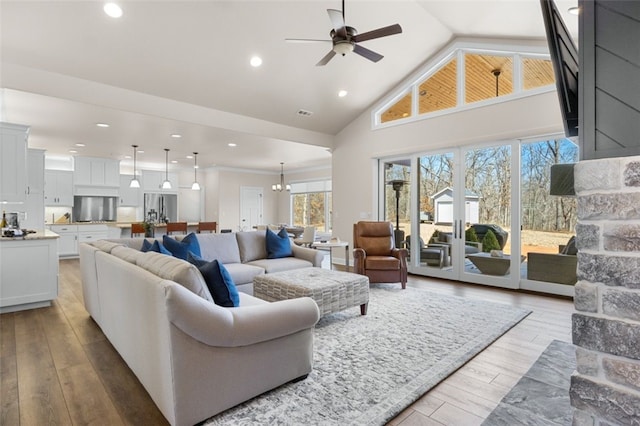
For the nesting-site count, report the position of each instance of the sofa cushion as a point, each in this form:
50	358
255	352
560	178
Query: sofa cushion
278	245
127	254
156	246
243	273
223	247
105	246
252	245
174	269
220	284
180	249
283	264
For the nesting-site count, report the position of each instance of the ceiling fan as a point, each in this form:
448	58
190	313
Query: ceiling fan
345	39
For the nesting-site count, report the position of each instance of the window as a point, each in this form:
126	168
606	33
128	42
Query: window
399	110
487	76
311	204
439	92
468	75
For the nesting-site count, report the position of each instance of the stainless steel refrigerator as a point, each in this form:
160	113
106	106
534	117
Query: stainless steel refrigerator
161	207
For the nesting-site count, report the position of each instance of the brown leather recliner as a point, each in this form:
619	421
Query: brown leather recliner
375	254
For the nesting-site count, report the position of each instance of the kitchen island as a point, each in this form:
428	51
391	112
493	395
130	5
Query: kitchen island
159	228
28	271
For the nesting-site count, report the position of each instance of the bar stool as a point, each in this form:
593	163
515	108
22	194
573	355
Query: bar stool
136	229
207	226
176	227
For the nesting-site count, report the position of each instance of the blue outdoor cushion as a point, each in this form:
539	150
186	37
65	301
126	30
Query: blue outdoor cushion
278	245
220	284
156	246
180	249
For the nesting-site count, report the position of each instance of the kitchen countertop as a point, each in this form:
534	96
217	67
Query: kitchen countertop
39	235
127	225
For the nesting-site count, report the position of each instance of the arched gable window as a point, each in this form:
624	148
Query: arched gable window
467	75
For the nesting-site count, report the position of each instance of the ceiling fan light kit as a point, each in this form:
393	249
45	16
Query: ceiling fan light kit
345	39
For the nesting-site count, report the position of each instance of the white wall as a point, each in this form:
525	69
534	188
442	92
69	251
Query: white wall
353	167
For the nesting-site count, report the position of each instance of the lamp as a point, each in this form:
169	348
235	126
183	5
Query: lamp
135	183
196	185
280	186
166	184
397	187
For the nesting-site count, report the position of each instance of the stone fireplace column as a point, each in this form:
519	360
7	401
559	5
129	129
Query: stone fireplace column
605	389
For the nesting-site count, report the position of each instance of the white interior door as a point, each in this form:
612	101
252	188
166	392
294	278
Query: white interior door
250	207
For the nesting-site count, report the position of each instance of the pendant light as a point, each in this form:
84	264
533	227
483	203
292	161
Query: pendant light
496	73
196	185
280	186
166	184
135	183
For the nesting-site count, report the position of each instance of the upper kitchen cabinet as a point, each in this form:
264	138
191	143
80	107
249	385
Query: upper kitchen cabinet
13	162
58	188
129	196
152	181
96	172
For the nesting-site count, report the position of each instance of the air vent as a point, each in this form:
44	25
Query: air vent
304	113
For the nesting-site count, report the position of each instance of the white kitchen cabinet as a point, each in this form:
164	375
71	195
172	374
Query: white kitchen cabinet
100	172
129	196
34	204
29	272
32	209
13	163
35	169
58	188
68	241
91	233
152	181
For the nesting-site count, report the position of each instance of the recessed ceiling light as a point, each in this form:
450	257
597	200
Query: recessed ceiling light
190	157
232	144
140	151
176	135
127	157
73	151
256	61
342	93
102	125
174	161
113	10
575	10
80	144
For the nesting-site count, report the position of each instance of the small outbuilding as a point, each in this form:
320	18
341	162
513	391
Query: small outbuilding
443	206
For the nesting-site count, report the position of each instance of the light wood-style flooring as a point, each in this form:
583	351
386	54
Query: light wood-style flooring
57	367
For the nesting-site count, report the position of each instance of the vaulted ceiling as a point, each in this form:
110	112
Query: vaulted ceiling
182	67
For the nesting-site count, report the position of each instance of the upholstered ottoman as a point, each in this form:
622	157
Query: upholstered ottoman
333	291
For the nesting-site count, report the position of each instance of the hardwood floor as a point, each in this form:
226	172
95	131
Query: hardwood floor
57	367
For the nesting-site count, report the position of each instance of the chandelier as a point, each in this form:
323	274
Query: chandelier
280	186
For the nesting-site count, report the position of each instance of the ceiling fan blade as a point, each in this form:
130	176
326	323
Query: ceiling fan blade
369	54
380	32
305	40
326	58
338	22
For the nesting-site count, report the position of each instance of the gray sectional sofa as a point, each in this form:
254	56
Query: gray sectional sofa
195	358
244	254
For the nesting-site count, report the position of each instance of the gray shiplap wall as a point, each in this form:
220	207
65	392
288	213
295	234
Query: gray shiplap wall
609	79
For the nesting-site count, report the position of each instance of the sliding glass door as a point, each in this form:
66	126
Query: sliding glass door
488	255
460	214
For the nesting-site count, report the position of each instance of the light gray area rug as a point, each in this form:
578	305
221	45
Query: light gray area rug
367	369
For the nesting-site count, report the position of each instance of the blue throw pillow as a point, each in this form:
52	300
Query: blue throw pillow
220	284
278	245
180	249
156	246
